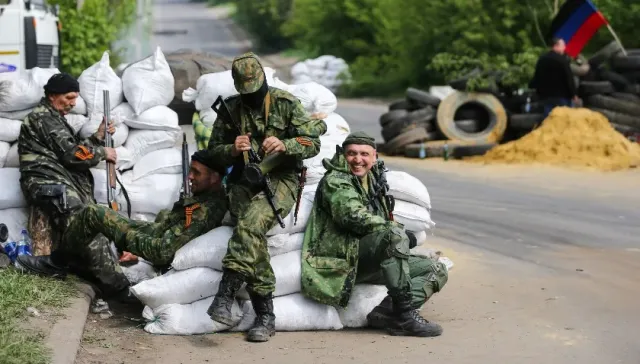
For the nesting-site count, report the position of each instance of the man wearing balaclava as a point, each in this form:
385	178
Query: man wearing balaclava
271	121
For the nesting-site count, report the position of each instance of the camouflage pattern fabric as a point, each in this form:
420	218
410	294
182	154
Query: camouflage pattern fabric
247	73
346	234
201	133
155	241
247	252
50	153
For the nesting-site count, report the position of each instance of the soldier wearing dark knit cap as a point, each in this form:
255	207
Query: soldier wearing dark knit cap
351	238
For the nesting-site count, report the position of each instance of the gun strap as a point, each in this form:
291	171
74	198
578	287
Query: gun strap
126	196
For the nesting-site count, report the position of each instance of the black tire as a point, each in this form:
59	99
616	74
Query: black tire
633	89
460	84
397	144
386	118
631	76
403	104
613	104
618	81
430	149
525	121
604	54
497	117
626	63
462	151
423	115
619	118
625	129
419	118
593	88
468	126
626	96
580	70
422	97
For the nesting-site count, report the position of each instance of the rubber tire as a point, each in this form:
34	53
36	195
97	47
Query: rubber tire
525	121
625	129
631	76
460	84
462	151
447	110
403	104
468	125
400	126
604	54
422	97
619	118
397	144
588	88
626	96
626	63
613	104
580	70
393	115
618	81
633	89
432	149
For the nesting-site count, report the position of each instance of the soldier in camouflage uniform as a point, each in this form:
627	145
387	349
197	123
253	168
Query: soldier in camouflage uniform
271	120
155	241
350	238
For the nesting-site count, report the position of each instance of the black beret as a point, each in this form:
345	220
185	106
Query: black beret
61	83
202	157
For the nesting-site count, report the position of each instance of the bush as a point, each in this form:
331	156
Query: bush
88	32
263	20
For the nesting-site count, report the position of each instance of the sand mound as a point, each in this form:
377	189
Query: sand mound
570	137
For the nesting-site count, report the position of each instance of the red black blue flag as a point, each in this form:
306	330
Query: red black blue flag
576	22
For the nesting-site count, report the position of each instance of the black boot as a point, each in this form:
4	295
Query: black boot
381	316
220	309
264	325
408	322
41	265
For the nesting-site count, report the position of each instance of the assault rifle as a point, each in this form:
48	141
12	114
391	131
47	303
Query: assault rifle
301	182
111	167
186	187
381	191
256	169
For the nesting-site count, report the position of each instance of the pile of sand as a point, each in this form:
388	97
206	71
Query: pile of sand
570	137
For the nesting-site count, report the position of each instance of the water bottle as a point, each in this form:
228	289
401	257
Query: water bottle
527	106
445	152
423	152
24	245
11	250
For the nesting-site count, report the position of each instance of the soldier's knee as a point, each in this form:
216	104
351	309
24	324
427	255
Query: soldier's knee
438	276
398	243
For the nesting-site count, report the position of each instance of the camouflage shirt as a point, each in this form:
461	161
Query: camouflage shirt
288	122
342	214
51	153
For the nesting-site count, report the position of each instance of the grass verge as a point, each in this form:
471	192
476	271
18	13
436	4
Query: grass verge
19	291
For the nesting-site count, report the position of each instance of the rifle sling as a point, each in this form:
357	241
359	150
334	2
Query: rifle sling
126	196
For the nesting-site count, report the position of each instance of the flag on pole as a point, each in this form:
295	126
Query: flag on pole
576	22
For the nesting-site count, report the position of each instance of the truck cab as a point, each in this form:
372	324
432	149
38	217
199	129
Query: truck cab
29	35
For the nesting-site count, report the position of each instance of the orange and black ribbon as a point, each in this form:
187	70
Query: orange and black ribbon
304	141
83	153
189	213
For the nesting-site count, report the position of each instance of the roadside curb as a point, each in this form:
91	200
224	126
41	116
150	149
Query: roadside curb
66	334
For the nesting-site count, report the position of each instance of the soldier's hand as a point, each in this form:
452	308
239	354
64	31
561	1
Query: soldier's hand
273	145
112	129
110	155
242	144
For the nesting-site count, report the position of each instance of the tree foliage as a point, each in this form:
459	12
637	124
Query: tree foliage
392	44
91	30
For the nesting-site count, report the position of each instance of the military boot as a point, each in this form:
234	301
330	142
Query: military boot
408	322
264	325
41	265
220	309
381	316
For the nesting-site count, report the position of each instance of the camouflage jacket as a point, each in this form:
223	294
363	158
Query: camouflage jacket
288	122
51	153
342	214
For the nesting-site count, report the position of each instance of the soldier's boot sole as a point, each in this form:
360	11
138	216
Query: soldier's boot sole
219	313
260	334
412	324
379	320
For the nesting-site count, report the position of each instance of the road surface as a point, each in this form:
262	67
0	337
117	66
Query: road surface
547	270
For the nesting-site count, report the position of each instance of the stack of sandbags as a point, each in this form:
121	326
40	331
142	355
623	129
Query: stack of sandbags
176	302
328	71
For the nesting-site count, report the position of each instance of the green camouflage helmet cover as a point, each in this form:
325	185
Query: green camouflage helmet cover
247	72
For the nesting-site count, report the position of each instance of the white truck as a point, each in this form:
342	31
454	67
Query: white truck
29	35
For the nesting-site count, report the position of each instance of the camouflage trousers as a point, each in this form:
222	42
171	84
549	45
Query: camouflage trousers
247	252
384	258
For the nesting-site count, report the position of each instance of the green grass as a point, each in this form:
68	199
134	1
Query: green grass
17	292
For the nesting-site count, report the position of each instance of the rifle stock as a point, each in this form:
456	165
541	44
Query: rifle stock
111	167
186	186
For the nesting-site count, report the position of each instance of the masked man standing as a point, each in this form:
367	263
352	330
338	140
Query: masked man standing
270	121
351	238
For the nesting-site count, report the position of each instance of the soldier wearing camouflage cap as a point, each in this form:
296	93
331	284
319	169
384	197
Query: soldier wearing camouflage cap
271	121
351	238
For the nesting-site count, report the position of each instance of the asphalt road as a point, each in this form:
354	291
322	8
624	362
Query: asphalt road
547	264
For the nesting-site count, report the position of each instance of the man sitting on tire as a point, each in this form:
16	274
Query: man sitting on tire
351	238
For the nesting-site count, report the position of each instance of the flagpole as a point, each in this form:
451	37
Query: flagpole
615	36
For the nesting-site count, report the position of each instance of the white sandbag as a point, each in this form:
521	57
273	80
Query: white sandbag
288	272
421	237
302	79
364	298
97	78
143	142
93	124
295	313
187	319
211	85
80	108
155	118
148	83
4	153
284	243
413	217
123	161
16	220
121	113
12	159
306	204
315	97
139	272
9	130
406	187
163	161
10	194
100	185
16	115
181	287
23	90
441	92
278	83
208	117
151	193
299	68
337	128
76	121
